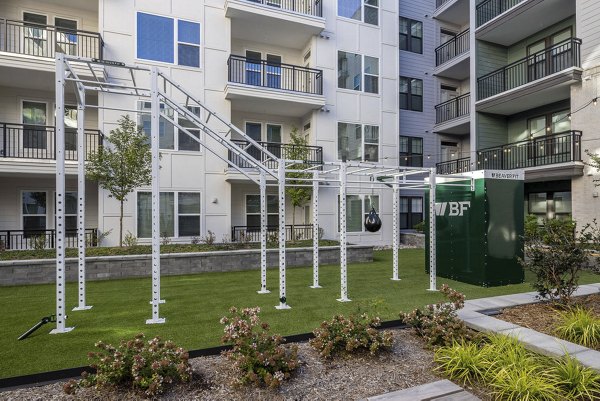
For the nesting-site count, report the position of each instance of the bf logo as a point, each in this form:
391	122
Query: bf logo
451	208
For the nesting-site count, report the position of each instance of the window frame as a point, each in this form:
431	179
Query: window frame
409	36
410	95
406	158
246	214
362	141
363	74
410	213
48	124
23	215
363	5
175	213
176	42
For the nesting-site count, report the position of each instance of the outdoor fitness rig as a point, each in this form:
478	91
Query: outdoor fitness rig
119	79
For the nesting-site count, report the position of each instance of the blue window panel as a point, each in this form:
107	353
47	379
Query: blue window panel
189	55
188	32
155	38
350	9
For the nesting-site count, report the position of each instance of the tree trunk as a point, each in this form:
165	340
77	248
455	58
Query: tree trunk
121	226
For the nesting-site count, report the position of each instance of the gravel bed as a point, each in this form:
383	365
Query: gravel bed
406	365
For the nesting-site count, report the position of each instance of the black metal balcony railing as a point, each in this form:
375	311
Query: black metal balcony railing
46	40
38	141
537	66
312	155
454	166
314	8
453	48
453	108
490	9
43	239
550	149
252	233
274	75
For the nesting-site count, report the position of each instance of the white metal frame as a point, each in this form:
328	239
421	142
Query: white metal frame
337	175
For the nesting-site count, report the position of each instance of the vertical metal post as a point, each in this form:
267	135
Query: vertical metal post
395	228
343	261
60	197
281	192
263	234
154	135
315	214
81	145
432	233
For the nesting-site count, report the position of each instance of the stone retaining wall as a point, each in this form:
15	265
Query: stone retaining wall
112	267
413	239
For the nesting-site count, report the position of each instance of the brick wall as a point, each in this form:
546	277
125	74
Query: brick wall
114	267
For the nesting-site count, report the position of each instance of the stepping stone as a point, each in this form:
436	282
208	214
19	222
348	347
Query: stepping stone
436	391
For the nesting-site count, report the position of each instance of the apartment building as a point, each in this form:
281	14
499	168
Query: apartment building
325	69
518	85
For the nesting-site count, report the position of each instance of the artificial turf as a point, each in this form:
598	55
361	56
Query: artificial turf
195	303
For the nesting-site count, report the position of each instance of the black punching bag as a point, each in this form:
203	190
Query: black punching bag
372	222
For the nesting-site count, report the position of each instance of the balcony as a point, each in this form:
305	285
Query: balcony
505	22
285	23
453	11
312	155
560	148
284	89
452	57
43	239
21	144
453	116
454	166
26	46
541	78
252	233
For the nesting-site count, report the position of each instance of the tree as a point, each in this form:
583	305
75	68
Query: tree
595	163
298	196
124	165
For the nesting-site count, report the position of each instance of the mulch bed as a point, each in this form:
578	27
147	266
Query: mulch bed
408	364
544	317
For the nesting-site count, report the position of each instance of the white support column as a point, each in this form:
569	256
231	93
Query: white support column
343	260
60	198
281	192
263	234
315	213
154	135
432	234
395	228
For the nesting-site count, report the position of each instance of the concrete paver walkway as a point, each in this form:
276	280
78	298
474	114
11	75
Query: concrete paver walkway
443	390
533	340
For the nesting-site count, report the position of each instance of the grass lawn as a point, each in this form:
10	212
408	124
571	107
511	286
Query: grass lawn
195	303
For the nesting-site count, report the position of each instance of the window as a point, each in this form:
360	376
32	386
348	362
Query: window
549	205
411	151
357	9
371	74
34	125
353	145
179	218
71	212
351	74
411	94
34	210
185	142
253	211
411	211
156	40
66	36
357	210
35	35
411	35
70	128
551	123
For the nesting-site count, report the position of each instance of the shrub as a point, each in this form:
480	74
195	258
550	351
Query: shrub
556	255
259	357
351	334
130	240
579	326
210	238
524	383
438	323
419	227
575	380
165	239
146	366
38	242
462	361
